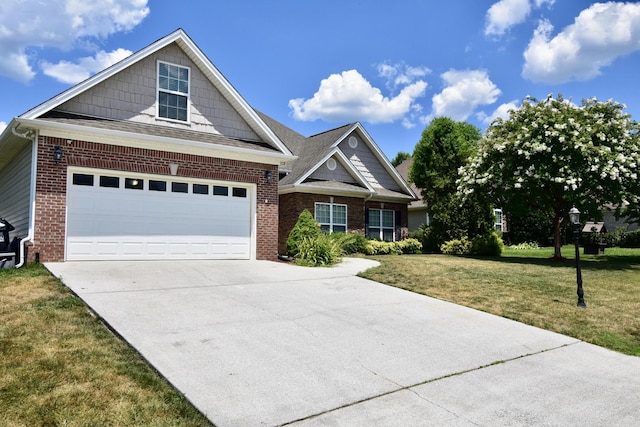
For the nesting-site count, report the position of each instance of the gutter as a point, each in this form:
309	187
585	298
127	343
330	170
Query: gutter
31	135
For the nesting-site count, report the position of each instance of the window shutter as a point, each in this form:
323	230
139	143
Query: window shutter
366	220
398	218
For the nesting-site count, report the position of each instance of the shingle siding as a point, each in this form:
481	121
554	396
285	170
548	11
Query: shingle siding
131	95
15	191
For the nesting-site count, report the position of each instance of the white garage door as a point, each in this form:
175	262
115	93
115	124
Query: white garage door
114	216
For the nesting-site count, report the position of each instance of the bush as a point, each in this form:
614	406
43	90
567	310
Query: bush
306	227
409	246
376	247
318	251
487	245
631	239
351	243
615	238
525	245
456	247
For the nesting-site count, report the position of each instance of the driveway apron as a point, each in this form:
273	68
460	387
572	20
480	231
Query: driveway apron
254	343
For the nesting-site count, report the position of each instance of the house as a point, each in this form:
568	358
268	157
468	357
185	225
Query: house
342	177
159	157
418	211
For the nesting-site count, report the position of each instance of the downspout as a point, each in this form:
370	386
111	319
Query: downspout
31	135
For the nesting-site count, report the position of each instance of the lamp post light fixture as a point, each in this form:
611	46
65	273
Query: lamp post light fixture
574	217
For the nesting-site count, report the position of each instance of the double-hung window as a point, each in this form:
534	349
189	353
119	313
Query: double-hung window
173	92
381	224
331	217
498	214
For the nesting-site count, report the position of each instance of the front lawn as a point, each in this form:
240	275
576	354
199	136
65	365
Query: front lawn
526	286
61	366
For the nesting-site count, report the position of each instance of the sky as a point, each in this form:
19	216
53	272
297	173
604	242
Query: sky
316	65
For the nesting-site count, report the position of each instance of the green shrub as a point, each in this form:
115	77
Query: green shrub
487	245
351	243
525	245
425	236
615	238
318	251
631	239
456	247
409	246
306	227
376	247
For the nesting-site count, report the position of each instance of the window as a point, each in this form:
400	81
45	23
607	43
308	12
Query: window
239	192
331	217
179	187
157	185
133	183
219	190
200	189
173	92
109	181
498	214
82	179
381	224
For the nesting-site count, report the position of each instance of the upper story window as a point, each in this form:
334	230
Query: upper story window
173	92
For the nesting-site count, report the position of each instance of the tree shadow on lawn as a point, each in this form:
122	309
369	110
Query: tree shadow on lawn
587	262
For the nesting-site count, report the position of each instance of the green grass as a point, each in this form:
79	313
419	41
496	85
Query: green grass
61	366
527	286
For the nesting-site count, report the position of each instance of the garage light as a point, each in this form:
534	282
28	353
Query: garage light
268	175
57	154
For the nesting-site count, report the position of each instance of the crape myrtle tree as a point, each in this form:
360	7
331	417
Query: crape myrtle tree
445	146
552	154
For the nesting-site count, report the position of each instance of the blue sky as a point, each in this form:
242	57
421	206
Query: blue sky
315	65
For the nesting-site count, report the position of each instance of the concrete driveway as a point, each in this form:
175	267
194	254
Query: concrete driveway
255	343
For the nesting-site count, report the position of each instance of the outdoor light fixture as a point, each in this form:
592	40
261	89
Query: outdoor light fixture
268	175
57	154
574	217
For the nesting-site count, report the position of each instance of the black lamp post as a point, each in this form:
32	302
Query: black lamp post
574	217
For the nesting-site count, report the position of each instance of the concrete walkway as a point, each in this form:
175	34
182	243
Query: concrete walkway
255	343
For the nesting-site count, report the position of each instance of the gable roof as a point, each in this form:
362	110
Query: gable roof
199	59
404	169
314	151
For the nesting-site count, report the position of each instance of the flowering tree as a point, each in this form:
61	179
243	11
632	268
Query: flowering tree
551	155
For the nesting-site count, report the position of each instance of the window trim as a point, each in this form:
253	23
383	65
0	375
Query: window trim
331	224
381	227
172	92
498	225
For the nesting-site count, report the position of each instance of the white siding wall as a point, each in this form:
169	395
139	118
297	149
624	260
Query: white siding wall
367	163
15	185
340	174
131	95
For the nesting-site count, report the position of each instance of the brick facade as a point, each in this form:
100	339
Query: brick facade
292	205
51	187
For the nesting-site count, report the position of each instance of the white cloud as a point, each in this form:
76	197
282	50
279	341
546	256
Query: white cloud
348	96
401	74
501	112
72	73
26	26
464	92
599	35
504	14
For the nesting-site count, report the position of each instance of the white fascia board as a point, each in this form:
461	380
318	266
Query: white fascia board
159	143
379	154
293	188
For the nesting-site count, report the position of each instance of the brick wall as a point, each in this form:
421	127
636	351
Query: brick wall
51	186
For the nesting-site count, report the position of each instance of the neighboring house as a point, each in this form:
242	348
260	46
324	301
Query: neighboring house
418	211
344	180
159	157
156	157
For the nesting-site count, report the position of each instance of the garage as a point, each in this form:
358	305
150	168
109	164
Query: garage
115	215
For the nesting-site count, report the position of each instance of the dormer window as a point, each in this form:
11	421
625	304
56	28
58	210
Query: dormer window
173	92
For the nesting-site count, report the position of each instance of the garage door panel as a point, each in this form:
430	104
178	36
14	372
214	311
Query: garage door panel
121	223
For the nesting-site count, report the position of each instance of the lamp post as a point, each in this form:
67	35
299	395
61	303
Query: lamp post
574	217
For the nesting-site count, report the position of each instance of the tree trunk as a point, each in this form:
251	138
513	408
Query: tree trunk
557	244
